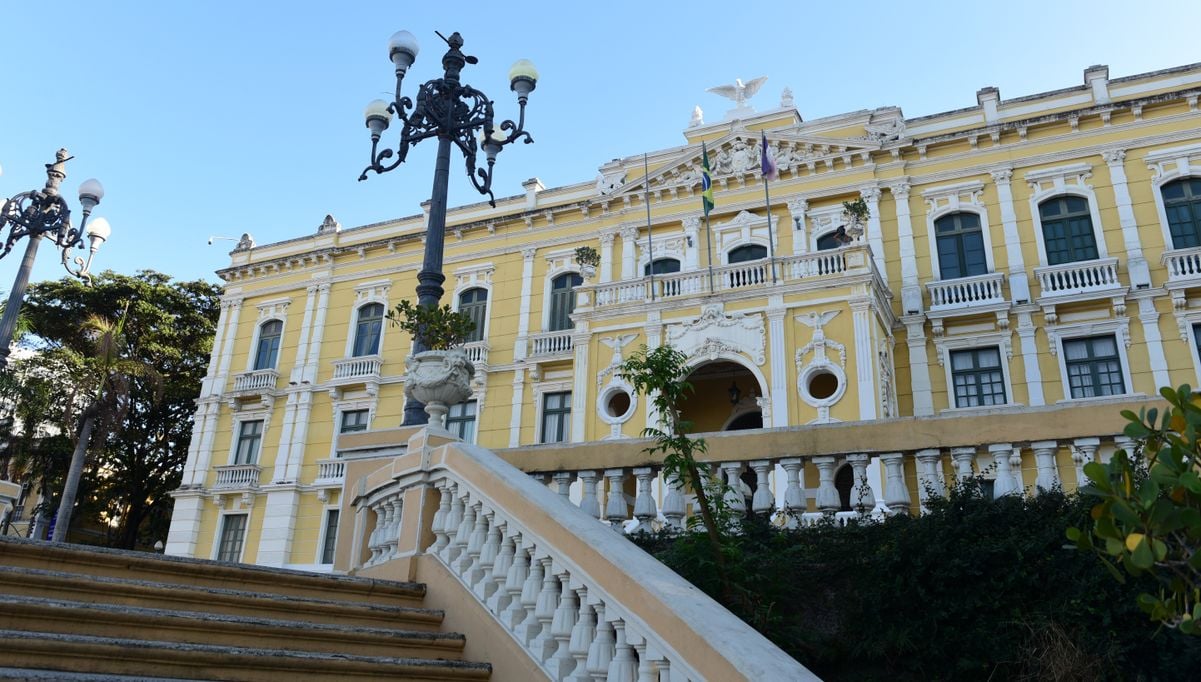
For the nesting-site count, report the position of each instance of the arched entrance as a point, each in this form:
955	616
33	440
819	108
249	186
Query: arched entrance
724	398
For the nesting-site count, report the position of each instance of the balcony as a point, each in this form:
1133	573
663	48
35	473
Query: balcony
1079	281
477	353
359	371
330	473
968	296
1184	272
550	345
256	382
238	477
748	276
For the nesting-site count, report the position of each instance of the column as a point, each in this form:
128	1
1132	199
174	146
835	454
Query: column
283	446
1005	483
318	333
911	289
794	493
930	481
779	358
606	256
692	231
800	234
1034	374
227	350
865	359
1136	263
616	508
523	311
579	390
518	403
1084	450
1019	283
875	237
1044	458
220	335
1149	316
827	495
919	366
302	343
629	252
278	527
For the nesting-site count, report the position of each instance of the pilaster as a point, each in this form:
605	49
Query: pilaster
800	235
1136	263
606	257
306	330
518	403
278	527
227	350
523	311
579	390
875	237
1149	316
1019	283
865	364
311	365
779	354
629	251
911	289
919	366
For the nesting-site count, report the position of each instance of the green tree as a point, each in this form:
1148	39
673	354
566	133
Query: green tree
169	327
1148	519
661	374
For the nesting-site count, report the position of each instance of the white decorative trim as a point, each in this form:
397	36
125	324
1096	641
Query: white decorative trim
1119	327
1170	165
820	362
365	294
339	406
541	388
324	526
743	229
477	276
714	332
1001	340
962	197
1069	180
602	399
823	221
248	414
246	509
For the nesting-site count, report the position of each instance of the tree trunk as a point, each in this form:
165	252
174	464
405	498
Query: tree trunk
71	487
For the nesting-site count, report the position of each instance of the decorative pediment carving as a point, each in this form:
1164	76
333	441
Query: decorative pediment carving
714	333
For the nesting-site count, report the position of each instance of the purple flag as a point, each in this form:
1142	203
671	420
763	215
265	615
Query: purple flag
768	164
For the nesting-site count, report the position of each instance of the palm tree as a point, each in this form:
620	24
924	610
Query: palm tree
105	385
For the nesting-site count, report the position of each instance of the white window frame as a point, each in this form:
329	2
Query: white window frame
478	413
475	277
364	294
340	406
325	510
1170	165
558	263
238	418
822	222
242	511
1118	327
275	309
962	197
540	390
1069	180
1002	341
667	245
744	229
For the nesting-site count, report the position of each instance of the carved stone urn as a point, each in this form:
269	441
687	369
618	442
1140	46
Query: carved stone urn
587	271
438	378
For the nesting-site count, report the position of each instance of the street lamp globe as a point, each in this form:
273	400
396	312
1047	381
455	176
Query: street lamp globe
523	77
97	232
90	193
402	50
378	117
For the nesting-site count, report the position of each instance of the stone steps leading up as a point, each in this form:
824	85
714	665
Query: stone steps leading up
79	613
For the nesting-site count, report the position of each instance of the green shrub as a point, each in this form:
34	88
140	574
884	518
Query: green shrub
976	589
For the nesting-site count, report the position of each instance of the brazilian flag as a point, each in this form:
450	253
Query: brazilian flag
706	181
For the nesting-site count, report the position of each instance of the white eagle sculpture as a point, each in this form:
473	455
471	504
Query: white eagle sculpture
740	92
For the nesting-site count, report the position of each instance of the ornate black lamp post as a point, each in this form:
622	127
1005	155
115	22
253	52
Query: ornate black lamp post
44	213
454	113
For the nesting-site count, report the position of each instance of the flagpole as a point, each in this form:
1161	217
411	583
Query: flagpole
650	245
708	233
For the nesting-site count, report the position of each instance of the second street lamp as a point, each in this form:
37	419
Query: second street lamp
454	113
44	213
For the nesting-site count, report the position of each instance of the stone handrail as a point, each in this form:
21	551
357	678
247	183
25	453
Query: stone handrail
581	601
1090	276
966	292
256	380
352	368
546	344
1183	264
477	352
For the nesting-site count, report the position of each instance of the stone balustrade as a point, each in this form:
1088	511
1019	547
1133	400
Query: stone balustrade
357	368
1084	277
477	353
256	381
550	344
241	476
967	292
1184	265
331	471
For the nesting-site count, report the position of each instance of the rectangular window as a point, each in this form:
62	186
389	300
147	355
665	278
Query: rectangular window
460	421
250	435
556	417
1094	367
354	420
331	536
977	377
233	531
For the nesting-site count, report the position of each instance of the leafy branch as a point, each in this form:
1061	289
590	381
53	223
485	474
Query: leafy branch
440	328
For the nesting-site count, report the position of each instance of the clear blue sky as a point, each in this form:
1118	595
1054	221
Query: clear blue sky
217	118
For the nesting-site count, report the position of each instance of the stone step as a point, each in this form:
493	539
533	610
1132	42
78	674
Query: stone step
149	659
34	582
100	561
39	614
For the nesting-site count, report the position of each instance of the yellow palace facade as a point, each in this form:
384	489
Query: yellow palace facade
1026	266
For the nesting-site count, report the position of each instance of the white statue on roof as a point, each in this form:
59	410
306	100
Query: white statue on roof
698	117
740	92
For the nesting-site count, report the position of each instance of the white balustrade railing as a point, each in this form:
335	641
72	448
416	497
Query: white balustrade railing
548	344
616	293
749	274
1083	277
574	596
1183	264
238	476
818	264
967	292
357	368
331	470
477	352
674	284
256	380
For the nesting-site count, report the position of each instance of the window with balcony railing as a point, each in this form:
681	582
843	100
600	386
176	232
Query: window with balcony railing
562	301
250	436
1068	234
267	353
1182	206
368	327
960	246
474	304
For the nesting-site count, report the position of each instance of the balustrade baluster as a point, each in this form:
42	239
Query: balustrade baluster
664	670
600	653
733	496
589	503
563	481
673	503
1015	466
542	645
863	500
454	519
480	578
529	627
794	494
1044	458
896	497
929	475
644	503
827	495
1084	450
616	508
393	537
964	458
1126	443
763	501
646	668
458	547
561	662
500	570
515	580
1004	483
470	556
582	634
624	666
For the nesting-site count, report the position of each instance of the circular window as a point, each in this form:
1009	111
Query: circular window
618	404
822	385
